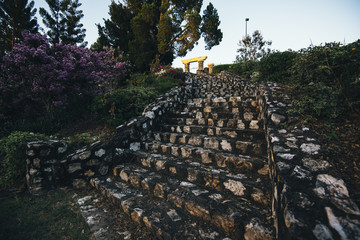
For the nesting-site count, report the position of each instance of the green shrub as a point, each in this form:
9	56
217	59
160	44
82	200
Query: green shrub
276	67
12	156
141	79
220	68
245	69
164	84
316	100
327	79
79	140
120	105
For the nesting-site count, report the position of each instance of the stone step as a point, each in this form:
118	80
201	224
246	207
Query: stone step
160	217
232	107
216	131
204	175
252	148
229	215
218	101
235	162
215	91
239	124
247	116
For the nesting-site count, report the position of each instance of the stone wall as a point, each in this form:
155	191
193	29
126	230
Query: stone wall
50	164
307	202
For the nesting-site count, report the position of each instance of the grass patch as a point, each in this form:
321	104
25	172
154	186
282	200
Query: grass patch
52	216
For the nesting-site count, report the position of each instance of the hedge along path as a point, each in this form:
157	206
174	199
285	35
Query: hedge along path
211	159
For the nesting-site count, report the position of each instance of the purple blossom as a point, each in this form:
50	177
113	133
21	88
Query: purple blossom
52	76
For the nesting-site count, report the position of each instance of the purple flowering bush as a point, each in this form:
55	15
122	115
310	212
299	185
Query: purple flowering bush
167	72
40	80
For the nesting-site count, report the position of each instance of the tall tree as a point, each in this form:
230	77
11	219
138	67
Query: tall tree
15	16
54	20
253	47
74	32
212	35
63	22
156	31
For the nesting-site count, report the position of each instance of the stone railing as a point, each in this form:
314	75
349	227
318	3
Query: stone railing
307	202
51	164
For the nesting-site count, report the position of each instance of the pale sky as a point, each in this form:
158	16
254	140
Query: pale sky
289	24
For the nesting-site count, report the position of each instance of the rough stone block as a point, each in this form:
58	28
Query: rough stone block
195	140
74	167
211	143
197	211
248	116
225	145
236	187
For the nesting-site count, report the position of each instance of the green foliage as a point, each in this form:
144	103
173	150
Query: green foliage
120	105
141	79
326	78
16	16
253	47
12	156
333	136
316	100
79	140
154	32
212	35
74	31
48	217
276	67
246	69
164	84
63	22
220	68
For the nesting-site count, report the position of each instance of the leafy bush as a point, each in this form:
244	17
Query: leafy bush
245	69
161	79
276	67
327	79
316	100
167	78
80	140
12	156
120	105
40	81
141	79
220	68
165	83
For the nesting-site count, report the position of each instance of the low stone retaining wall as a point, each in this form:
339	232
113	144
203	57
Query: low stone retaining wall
307	202
50	164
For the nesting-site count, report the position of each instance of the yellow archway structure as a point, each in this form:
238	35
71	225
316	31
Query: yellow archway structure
200	60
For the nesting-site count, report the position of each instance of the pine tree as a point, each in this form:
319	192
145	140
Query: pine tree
54	20
212	35
154	32
16	16
63	22
74	32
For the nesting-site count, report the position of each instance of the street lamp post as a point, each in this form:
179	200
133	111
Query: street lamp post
246	20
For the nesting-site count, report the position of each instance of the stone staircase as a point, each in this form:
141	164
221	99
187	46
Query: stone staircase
217	158
203	173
